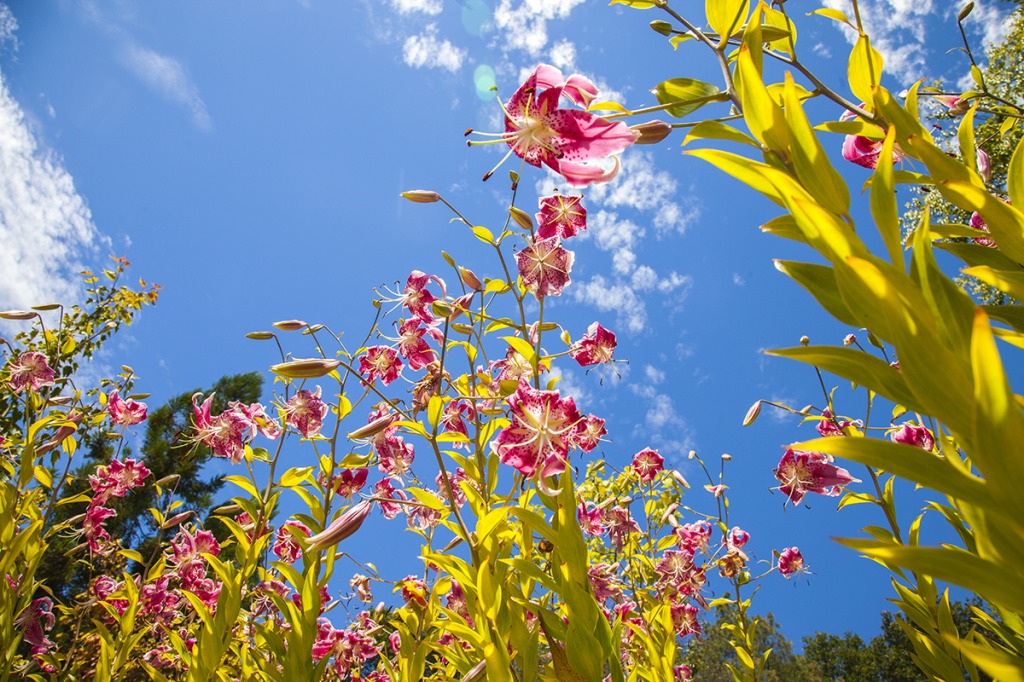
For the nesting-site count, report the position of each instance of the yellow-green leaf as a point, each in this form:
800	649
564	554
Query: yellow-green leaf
865	69
686	94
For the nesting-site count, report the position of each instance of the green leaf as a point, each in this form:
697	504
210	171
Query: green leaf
761	114
689	93
1015	175
820	281
965	136
483	234
865	69
854	126
716	130
726	16
883	202
834	15
435	408
813	168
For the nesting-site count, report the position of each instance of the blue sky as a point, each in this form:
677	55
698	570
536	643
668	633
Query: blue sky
248	157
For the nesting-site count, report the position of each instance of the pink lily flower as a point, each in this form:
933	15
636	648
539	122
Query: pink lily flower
31	370
306	411
589	433
544	266
562	139
791	561
647	463
917	436
537	440
380	361
864	151
561	216
595	347
803	472
125	412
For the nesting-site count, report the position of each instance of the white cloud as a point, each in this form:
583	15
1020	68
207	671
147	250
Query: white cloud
168	77
45	226
642	187
737	279
426	50
662	427
524	25
563	55
569	386
653	374
898	29
630	310
431	7
8	28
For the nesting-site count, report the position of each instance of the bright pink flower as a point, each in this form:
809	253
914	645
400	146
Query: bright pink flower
917	436
286	545
595	347
158	601
305	411
188	547
605	582
984	165
829	426
544	266
394	455
31	370
514	367
738	537
675	570
864	151
647	463
257	418
92	525
422	517
116	479
417	299
350	481
380	361
539	132
537	440
455	413
979	224
125	412
385	491
588	434
33	623
561	216
412	345
955	103
802	472
685	621
791	561
682	672
591	520
620	524
455	479
692	537
226	434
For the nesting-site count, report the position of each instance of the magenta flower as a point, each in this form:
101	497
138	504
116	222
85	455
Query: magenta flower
864	151
560	216
537	440
455	479
979	224
384	492
605	582
647	463
382	362
802	472
589	433
125	412
917	436
455	414
33	623
227	433
412	345
829	426
562	139
620	524
350	481
591	519
595	347
955	103
685	620
414	591
305	411
116	479
692	537
544	266
31	370
417	299
286	545
394	455
737	537
791	561
92	525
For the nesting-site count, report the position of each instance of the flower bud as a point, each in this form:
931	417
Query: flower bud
290	325
752	413
342	527
662	27
957	105
441	309
669	517
175	520
693	454
260	336
470	279
18	315
421	196
849	340
680	479
60	400
307	368
651	132
804	340
727	457
984	165
168	480
521	218
374	427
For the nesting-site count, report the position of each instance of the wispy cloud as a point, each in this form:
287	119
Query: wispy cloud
523	25
45	226
8	28
168	77
426	50
899	30
431	7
